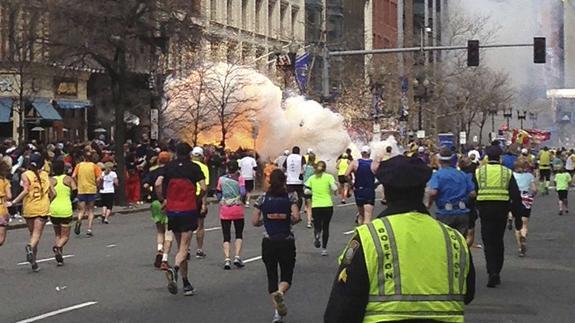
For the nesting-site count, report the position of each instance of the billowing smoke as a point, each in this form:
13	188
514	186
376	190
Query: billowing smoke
296	122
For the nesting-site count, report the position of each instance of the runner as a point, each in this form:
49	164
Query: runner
231	191
108	190
248	166
320	186
5	197
164	237
363	185
570	162
562	182
88	177
341	165
528	188
544	161
179	179
294	171
277	212
35	196
198	158
61	208
308	171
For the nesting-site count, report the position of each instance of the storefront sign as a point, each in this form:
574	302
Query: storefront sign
66	87
9	84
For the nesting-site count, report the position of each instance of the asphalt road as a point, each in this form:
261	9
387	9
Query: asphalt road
110	277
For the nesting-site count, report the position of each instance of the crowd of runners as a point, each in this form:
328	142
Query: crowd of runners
44	183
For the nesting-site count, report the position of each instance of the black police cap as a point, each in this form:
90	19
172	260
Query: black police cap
494	152
403	172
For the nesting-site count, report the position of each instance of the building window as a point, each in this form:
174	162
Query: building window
271	9
245	15
294	20
259	15
214	10
230	13
283	18
231	54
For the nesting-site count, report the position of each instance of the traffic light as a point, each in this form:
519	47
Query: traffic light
539	50
473	53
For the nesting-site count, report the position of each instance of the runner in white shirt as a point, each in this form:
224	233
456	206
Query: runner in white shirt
108	191
248	166
294	165
570	162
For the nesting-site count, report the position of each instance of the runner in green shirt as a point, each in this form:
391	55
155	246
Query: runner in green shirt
321	186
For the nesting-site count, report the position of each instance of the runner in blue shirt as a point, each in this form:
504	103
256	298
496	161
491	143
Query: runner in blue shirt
451	190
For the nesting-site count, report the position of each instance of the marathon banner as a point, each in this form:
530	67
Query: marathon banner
523	137
302	61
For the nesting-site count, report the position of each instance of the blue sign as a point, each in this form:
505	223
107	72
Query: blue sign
446	139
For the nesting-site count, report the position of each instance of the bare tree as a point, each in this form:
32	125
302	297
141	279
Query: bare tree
233	104
122	37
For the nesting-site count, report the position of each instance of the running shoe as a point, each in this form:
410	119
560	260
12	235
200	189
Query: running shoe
35	267
189	290
77	227
316	242
102	219
523	247
227	264
164	266
29	254
277	318
509	224
324	252
172	276
281	307
105	221
200	254
308	226
343	202
158	260
560	212
89	233
566	211
58	256
238	262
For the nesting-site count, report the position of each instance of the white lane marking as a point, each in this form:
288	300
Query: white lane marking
349	232
212	229
42	260
57	312
252	259
111	245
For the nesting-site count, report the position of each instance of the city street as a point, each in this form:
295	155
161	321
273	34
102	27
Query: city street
110	277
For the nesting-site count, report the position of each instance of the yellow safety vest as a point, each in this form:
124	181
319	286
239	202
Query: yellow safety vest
417	269
206	172
493	181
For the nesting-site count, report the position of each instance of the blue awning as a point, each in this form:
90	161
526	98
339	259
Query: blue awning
5	109
68	104
45	109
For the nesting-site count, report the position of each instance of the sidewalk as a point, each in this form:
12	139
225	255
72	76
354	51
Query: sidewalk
19	224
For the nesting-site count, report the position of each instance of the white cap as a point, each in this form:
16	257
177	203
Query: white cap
286	152
197	151
524	151
310	151
365	149
421	149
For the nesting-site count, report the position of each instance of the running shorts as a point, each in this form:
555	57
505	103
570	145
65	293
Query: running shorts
87	197
364	197
342	179
544	174
157	214
107	200
183	223
562	195
249	185
63	222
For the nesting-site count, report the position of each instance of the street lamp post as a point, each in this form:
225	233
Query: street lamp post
422	88
521	115
508	114
492	112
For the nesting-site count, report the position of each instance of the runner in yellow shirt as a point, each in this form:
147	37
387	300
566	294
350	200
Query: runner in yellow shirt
88	176
343	187
544	161
5	196
35	196
61	211
197	158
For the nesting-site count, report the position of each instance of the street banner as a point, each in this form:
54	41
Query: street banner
446	139
302	61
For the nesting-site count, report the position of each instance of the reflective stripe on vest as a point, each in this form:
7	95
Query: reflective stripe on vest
393	288
493	181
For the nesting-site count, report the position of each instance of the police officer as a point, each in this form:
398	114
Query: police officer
404	265
496	189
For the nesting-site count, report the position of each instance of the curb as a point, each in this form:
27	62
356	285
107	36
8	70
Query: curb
122	211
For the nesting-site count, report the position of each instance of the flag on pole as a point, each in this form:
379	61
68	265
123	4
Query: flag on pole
302	61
